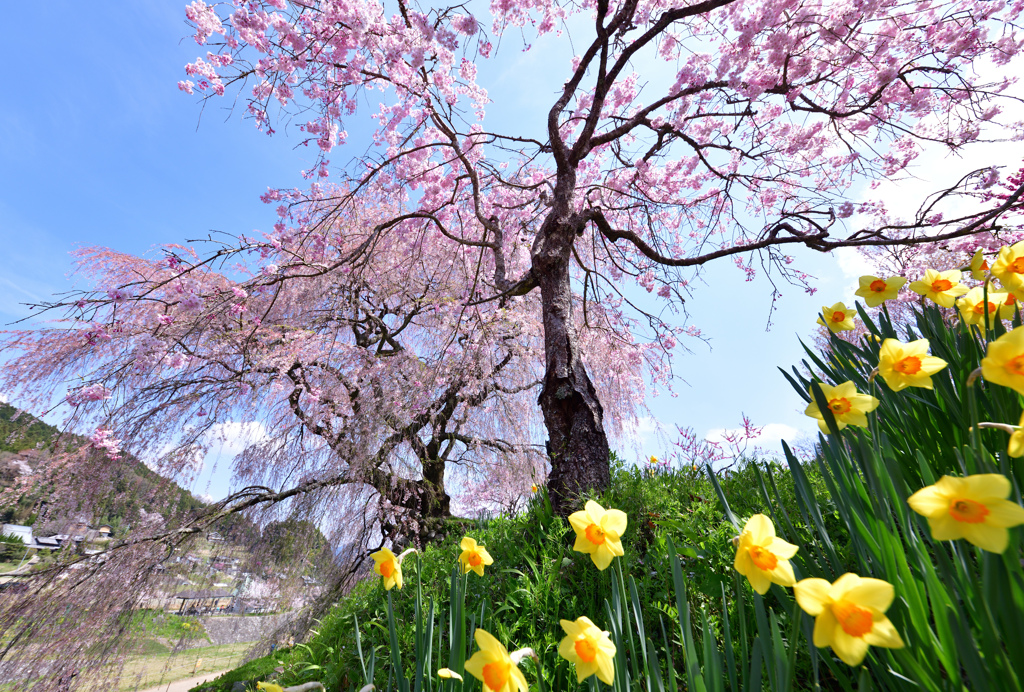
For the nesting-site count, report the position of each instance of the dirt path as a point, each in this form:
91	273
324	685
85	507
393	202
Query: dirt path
186	685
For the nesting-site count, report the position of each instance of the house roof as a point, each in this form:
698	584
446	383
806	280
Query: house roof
199	595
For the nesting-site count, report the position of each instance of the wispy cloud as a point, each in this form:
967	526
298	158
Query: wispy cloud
770	434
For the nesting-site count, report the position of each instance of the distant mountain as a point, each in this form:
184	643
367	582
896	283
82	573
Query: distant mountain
25	447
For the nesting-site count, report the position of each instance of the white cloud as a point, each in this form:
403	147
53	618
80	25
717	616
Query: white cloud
230	439
771	433
4	399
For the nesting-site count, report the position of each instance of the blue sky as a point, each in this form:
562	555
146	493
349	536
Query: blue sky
99	147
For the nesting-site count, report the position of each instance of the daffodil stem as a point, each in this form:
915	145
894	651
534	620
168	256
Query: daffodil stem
794	634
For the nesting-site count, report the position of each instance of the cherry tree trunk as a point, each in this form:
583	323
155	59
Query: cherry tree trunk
577	445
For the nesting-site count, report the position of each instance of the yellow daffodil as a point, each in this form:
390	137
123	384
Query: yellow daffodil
847	405
534	488
875	290
1009	267
942	287
473	557
1004	361
762	557
979	265
849	615
448	674
974	508
493	666
1015	448
598	532
269	687
589	648
973	306
1008	306
907	365
387	565
838	318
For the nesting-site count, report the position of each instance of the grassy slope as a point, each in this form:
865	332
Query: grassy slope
536	579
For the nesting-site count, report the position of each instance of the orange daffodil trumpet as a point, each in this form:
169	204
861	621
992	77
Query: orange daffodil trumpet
762	557
973	306
494	667
1009	268
941	287
389	566
598	532
875	290
473	557
589	648
847	405
974	508
1004	361
907	365
849	614
838	318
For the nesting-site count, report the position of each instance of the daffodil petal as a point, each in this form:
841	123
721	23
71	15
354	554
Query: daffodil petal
825	626
761	529
1004	514
991	538
883	633
487	642
595	511
850	650
614	547
519	678
759	581
579	521
605	669
812	595
602	557
946	528
929	502
843	584
783	549
986	485
614	520
783	574
582	545
872	593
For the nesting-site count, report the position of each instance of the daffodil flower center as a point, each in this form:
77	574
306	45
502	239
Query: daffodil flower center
979	308
838	316
474	558
763	559
1017	266
1010	299
496	675
878	286
585	649
1015	366
387	569
854	620
595	534
941	285
840	405
911	365
968	511
984	265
